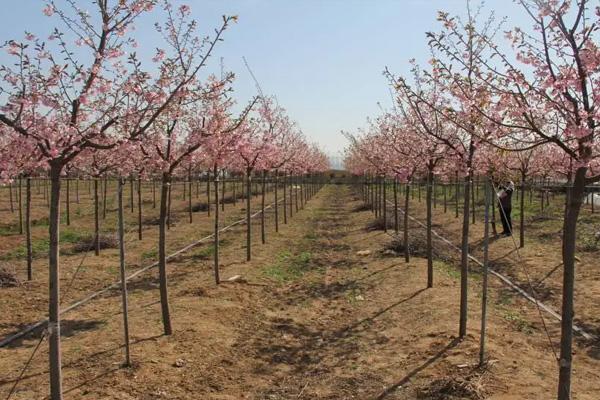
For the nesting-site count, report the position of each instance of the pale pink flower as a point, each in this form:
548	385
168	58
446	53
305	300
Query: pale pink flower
48	10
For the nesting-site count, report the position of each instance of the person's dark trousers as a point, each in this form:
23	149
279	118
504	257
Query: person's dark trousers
506	220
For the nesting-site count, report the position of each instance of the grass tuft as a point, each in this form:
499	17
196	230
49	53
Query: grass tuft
288	267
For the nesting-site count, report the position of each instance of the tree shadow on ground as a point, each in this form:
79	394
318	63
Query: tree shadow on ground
68	328
320	290
411	374
303	348
76	362
592	346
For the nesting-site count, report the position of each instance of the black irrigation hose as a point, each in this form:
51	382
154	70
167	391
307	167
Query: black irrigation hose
26	366
533	292
508	282
92	296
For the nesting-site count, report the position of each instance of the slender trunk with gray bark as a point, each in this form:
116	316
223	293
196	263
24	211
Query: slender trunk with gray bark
285	198
96	219
396	228
189	199
406	203
121	230
262	209
130	193
10	196
223	184
139	198
429	244
208	191
28	229
276	201
522	216
68	202
575	195
104	197
464	263
54	284
486	241
384	204
216	231
162	253
248	221
20	206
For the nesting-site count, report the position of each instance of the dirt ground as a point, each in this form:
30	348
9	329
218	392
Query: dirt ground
537	267
322	312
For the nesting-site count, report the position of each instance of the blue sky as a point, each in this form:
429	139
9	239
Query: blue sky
323	59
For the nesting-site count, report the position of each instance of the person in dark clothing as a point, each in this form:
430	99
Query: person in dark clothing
505	207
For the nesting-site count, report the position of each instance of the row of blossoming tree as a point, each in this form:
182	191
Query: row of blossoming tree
82	100
483	109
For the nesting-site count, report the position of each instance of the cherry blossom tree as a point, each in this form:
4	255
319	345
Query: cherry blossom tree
64	101
550	93
257	142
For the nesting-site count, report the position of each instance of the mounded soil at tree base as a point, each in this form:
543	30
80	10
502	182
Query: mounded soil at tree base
309	319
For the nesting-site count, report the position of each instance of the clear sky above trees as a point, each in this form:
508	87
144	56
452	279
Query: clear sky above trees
322	58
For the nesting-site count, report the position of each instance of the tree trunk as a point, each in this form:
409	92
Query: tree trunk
384	205
153	193
76	190
396	228
68	202
445	198
208	191
248	221
169	204
216	232
54	284
130	192
456	194
189	199
486	241
522	216
223	184
285	198
139	195
20	206
473	204
46	194
464	263
493	207
28	228
96	219
406	204
276	201
296	193
234	190
122	271
10	195
262	209
302	188
429	245
573	207
291	196
104	197
162	253
377	197
373	194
